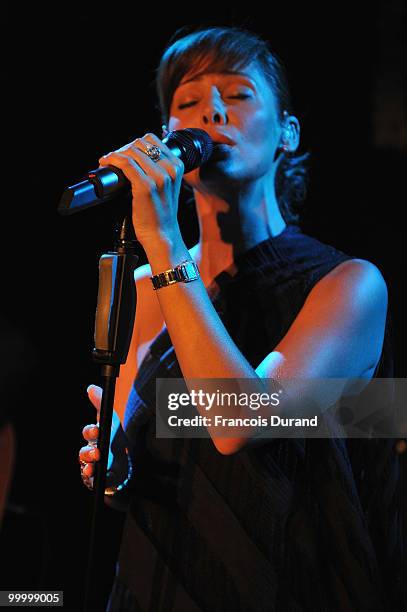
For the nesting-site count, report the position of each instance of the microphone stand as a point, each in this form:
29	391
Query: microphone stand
115	313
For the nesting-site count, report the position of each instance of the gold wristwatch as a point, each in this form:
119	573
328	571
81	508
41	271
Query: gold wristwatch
185	272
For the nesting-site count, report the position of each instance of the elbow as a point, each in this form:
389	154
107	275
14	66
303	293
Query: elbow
229	446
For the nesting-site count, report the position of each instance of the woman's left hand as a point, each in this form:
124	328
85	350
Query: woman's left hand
155	187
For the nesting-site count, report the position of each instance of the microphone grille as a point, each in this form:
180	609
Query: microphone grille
196	146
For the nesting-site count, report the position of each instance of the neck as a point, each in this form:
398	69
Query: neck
233	224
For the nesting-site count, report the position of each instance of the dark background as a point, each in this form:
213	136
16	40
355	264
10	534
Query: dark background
81	84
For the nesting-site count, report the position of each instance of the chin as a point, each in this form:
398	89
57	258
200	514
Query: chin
218	174
221	172
223	167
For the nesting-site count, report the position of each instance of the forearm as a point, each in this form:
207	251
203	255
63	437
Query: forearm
202	344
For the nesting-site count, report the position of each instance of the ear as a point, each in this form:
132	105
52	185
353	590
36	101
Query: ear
290	133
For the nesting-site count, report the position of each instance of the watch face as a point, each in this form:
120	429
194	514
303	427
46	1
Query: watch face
190	271
185	272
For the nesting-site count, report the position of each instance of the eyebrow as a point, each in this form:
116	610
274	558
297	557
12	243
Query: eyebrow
199	77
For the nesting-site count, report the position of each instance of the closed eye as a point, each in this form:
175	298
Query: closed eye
240	96
186	104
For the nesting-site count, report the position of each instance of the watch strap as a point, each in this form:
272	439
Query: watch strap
185	272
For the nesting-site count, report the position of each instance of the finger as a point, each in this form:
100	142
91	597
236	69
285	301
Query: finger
95	396
130	168
89	454
88	481
166	154
167	158
154	140
91	432
142	143
88	470
165	169
138	151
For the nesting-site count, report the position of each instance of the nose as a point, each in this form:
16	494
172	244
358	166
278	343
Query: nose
214	110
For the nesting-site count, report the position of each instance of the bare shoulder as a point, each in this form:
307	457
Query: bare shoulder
358	268
339	330
355	278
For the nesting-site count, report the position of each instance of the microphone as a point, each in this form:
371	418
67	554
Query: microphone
193	146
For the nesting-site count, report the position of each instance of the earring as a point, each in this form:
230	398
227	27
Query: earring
285	138
284	146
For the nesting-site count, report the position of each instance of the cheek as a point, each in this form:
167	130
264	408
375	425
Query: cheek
259	141
259	130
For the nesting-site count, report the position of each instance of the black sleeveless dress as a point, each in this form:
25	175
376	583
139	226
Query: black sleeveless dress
295	525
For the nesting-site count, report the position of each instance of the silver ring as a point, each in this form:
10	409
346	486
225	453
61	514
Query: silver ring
153	152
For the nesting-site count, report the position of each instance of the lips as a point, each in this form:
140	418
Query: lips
223	142
221	139
222	145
